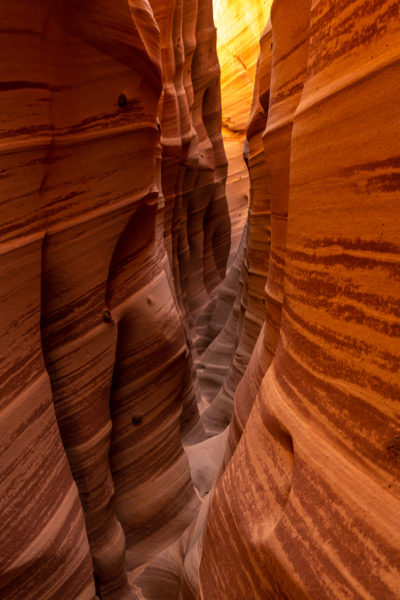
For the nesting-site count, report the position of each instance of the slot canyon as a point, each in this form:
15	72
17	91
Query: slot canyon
200	300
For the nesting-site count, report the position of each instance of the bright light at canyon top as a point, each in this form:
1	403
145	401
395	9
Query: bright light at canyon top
239	26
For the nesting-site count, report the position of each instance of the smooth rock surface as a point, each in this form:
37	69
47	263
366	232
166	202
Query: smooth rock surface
122	342
308	504
44	545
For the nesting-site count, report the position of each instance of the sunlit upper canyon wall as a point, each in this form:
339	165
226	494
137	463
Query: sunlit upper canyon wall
307	501
239	28
200	300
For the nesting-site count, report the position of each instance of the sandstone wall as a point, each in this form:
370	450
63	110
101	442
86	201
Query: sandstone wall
166	433
308	504
96	371
239	25
44	545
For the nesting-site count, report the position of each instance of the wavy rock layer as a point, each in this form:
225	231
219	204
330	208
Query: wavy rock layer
308	504
115	236
99	225
254	269
44	545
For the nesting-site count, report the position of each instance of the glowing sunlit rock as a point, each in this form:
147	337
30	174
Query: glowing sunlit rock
239	27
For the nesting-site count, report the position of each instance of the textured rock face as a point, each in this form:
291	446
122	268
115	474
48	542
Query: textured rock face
99	238
239	28
222	364
260	348
114	241
248	315
208	219
44	546
88	289
308	504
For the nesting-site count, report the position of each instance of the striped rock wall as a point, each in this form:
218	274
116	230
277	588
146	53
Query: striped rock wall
97	377
255	258
114	238
280	93
308	504
214	362
44	546
207	210
262	347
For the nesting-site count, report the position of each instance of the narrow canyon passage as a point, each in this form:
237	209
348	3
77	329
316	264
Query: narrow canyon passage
200	300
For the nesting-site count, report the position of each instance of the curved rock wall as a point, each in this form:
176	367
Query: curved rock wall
240	25
44	545
308	504
259	348
89	291
115	236
208	219
97	254
250	306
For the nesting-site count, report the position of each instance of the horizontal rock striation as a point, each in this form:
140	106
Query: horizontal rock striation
168	432
95	237
307	506
44	544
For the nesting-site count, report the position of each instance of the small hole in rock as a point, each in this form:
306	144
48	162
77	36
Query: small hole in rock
122	101
107	317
